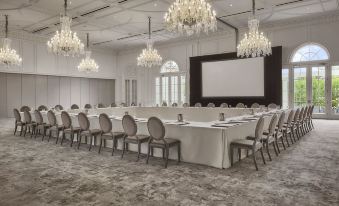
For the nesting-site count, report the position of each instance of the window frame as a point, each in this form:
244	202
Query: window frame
295	51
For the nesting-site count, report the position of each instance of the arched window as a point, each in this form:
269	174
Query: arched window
169	67
310	52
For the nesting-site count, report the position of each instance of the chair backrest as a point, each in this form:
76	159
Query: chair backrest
133	104
113	104
174	104
27	116
101	105
223	105
305	112
240	105
255	105
51	118
290	118
83	121
25	108
211	105
74	106
198	104
185	105
105	123
59	107
281	121
129	125
312	109
88	106
42	108
156	128
164	104
38	117
259	129
66	119
301	114
123	104
17	115
272	106
296	116
273	124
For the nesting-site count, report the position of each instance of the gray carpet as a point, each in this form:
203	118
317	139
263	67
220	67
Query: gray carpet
41	173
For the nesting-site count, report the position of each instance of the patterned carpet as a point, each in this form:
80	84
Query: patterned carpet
42	173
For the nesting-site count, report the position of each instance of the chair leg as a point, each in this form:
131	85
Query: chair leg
275	149
282	142
254	160
22	128
62	138
123	148
262	156
148	152
268	151
25	131
79	142
139	150
277	145
167	153
15	128
285	135
100	145
72	139
231	154
57	136
179	152
114	146
90	143
239	154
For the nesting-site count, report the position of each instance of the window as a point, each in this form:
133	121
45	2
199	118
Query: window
164	85
174	89
300	86
134	92
127	92
285	87
157	91
169	67
310	52
335	89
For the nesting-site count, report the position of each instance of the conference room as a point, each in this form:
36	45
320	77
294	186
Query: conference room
169	102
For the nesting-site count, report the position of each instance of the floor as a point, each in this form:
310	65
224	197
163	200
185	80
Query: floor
42	173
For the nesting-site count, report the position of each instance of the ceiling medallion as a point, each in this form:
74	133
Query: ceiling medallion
254	43
190	17
65	42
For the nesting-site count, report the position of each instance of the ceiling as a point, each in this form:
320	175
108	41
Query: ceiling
119	24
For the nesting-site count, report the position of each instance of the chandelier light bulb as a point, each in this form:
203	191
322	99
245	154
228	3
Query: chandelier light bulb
88	64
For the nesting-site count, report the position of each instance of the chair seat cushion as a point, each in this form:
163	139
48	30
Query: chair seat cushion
245	142
141	138
168	141
109	135
75	129
92	131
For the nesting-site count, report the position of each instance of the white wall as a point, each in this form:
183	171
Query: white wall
17	90
288	34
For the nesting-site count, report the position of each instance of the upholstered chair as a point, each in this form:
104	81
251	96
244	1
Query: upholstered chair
164	104
279	131
131	137
175	105
211	105
41	126
269	136
18	122
25	108
88	106
107	133
101	105
29	124
133	104
55	128
123	104
272	106
240	105
68	128
113	104
58	107
86	131
223	105
255	106
157	139
300	122
42	108
251	143
198	104
185	105
294	126
288	127
74	106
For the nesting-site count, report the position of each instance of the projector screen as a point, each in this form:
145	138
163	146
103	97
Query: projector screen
233	78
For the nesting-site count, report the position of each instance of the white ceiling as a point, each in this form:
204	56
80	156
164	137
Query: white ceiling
118	24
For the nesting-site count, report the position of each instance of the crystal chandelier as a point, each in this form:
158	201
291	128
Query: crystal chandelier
255	43
8	56
190	16
65	42
88	64
149	57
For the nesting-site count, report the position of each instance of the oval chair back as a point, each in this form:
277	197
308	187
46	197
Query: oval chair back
198	104
223	105
164	104
101	105
259	129
38	117
74	106
290	118
174	105
27	116
255	105
51	118
273	124
42	108
211	105
83	121
129	125
105	123
301	114
25	108
240	105
296	116
59	107
17	115
156	128
306	112
185	105
88	106
66	120
113	105
281	121
272	106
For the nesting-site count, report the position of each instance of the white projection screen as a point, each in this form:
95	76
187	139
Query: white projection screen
233	78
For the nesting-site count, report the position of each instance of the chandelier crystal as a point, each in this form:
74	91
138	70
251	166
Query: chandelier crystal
88	64
8	56
254	43
190	17
149	56
65	42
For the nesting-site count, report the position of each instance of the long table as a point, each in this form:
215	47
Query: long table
201	143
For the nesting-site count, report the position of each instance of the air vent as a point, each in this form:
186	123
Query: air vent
291	2
40	29
135	35
95	10
103	42
122	1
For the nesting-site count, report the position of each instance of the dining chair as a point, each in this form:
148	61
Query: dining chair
288	127
198	104
113	104
240	105
68	128
133	104
54	127
131	137
294	125
41	127
25	108
29	124
211	105
255	105
223	105
164	104
107	133
101	105
18	122
279	131
272	106
175	104
58	107
157	139
123	104
299	122
185	105
86	131
74	106
250	143
88	106
42	108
